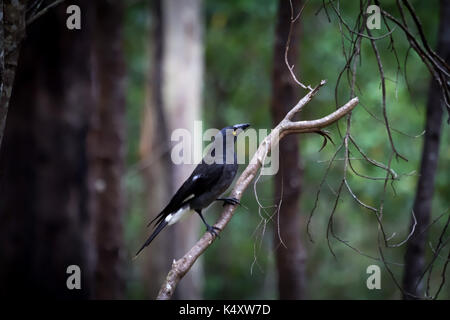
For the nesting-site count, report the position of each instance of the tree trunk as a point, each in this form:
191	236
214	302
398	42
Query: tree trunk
415	253
182	94
107	150
44	215
175	100
290	260
12	31
155	159
62	161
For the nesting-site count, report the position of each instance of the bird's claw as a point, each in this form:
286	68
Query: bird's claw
212	230
230	201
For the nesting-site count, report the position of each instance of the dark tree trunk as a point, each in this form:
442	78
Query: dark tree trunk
12	31
415	253
44	208
290	260
106	148
62	161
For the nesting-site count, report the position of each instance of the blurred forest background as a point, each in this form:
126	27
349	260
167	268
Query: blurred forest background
85	159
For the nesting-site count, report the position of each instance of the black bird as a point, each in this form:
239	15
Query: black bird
205	185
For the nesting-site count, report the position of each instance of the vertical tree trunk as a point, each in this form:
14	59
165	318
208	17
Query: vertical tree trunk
175	101
415	253
106	148
155	158
12	31
182	95
44	215
61	168
290	260
3	107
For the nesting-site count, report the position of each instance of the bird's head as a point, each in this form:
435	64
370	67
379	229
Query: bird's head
223	146
231	132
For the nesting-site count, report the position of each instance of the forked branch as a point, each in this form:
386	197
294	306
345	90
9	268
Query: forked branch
286	126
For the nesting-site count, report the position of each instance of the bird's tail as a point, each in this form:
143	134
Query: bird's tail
153	235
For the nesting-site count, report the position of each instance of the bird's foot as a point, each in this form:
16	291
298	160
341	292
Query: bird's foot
212	230
231	201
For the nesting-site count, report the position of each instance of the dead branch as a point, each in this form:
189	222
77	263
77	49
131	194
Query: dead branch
286	126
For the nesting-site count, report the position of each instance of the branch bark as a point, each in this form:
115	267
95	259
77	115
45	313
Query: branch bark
286	126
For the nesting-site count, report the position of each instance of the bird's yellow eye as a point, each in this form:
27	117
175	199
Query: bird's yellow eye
234	132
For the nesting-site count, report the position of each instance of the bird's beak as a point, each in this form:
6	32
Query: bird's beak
241	126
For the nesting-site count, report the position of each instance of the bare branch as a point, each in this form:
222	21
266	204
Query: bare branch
383	88
286	126
288	43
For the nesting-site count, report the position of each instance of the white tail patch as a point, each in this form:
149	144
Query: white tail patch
177	216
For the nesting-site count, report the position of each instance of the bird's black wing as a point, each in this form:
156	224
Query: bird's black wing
202	179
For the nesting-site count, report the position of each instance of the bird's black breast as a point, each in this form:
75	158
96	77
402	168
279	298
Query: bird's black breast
215	189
